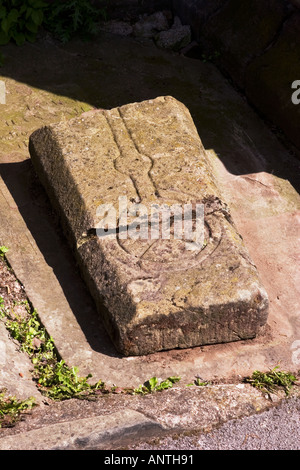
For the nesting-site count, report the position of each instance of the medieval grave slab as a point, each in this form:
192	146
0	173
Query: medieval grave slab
153	294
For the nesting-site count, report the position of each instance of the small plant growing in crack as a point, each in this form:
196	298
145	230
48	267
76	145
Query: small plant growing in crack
54	377
11	408
199	382
153	385
272	381
3	250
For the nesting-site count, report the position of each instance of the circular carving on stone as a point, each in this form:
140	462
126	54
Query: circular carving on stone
172	254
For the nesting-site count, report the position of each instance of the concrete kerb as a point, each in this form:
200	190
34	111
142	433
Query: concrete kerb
100	432
120	422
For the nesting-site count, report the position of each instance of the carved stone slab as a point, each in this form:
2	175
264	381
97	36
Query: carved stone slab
105	173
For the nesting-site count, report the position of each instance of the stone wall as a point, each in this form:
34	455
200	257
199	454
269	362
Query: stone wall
256	44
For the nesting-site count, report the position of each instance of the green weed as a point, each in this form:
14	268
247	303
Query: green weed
2	308
61	382
3	250
73	17
11	408
199	382
20	20
54	378
272	381
152	385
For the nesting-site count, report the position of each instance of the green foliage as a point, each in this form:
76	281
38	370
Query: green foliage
152	385
3	250
54	378
27	331
11	408
61	382
20	20
73	17
272	381
2	307
200	382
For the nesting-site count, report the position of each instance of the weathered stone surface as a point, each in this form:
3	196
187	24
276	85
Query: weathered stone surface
150	25
157	294
177	37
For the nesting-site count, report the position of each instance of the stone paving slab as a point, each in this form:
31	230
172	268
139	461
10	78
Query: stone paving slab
158	293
